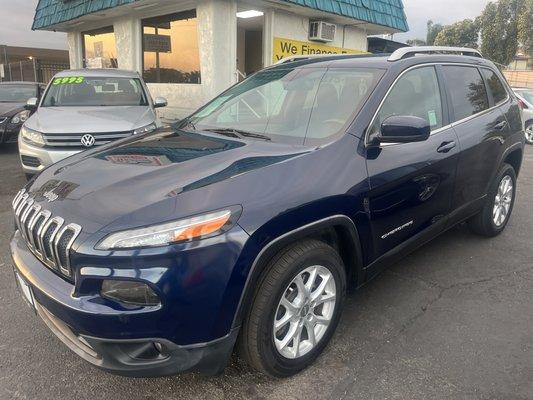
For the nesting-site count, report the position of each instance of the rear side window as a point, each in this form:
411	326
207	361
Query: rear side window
496	87
416	93
467	91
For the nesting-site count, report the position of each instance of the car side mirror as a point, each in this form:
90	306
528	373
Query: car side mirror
403	129
160	102
32	104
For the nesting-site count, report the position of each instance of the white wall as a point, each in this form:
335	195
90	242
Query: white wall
74	50
296	27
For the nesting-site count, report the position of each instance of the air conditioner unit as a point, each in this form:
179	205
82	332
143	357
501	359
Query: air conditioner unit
321	31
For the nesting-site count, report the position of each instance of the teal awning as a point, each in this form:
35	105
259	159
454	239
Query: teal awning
388	13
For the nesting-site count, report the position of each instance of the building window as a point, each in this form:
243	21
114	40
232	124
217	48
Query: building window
99	48
170	48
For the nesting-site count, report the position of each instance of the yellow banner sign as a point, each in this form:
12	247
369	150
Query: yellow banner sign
287	47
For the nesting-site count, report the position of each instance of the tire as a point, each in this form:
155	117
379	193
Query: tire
529	133
257	344
484	223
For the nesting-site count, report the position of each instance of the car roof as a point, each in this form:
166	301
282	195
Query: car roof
20	83
98	72
379	61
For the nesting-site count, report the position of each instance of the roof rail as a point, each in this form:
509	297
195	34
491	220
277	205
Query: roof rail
404	52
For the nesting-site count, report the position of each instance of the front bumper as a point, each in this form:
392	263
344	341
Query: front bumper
141	357
123	340
9	132
34	159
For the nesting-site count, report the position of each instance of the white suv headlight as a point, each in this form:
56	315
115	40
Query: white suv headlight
144	129
182	230
31	136
20	117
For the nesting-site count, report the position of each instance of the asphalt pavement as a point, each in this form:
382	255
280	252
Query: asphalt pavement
454	320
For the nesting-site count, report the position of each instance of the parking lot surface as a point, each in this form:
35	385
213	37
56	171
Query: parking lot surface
454	320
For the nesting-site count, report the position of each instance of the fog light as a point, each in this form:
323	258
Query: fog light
129	292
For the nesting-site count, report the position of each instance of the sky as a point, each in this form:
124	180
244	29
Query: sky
15	29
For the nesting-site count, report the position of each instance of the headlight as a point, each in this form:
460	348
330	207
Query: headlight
182	230
20	117
31	136
144	129
129	292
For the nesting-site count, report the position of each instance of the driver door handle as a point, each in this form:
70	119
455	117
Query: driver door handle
446	147
500	126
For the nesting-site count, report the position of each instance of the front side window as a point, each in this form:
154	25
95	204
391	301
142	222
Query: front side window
11	93
416	93
292	105
82	91
467	91
99	48
170	48
496	87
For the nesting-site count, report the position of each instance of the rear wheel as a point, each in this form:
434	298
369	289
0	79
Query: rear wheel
295	310
529	133
491	221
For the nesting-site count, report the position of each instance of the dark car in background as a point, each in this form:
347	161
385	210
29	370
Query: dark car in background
244	225
13	98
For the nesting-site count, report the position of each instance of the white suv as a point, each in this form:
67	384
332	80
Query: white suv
85	108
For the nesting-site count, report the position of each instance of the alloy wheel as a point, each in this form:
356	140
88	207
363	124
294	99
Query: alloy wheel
502	201
304	312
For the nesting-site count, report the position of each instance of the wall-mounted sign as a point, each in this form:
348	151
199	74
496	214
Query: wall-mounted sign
287	47
157	43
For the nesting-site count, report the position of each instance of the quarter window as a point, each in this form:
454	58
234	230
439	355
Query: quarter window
170	48
496	87
467	91
417	94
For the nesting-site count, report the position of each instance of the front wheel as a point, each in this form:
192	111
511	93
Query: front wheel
493	218
529	133
295	310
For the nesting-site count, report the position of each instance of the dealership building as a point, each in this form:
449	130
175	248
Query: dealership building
190	50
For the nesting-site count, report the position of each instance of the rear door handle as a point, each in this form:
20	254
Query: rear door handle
446	147
500	126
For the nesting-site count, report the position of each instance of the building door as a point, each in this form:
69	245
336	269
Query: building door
249	44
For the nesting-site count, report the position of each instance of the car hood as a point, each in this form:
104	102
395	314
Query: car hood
90	119
147	179
10	109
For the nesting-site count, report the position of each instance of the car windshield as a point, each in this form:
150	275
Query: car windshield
300	106
11	93
527	94
84	91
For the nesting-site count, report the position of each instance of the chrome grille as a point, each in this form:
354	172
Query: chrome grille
74	140
3	119
48	238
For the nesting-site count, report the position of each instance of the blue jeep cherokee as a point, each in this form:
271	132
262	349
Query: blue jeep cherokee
242	226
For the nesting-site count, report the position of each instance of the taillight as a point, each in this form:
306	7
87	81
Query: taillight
522	104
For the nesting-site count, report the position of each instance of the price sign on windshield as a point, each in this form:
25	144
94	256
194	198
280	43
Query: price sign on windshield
68	79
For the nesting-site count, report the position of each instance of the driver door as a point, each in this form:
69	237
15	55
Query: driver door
411	184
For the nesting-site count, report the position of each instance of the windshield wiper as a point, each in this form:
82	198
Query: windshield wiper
238	133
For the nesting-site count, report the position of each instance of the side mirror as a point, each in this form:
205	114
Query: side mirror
160	102
403	129
32	104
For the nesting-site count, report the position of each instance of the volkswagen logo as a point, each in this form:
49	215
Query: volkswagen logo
87	140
